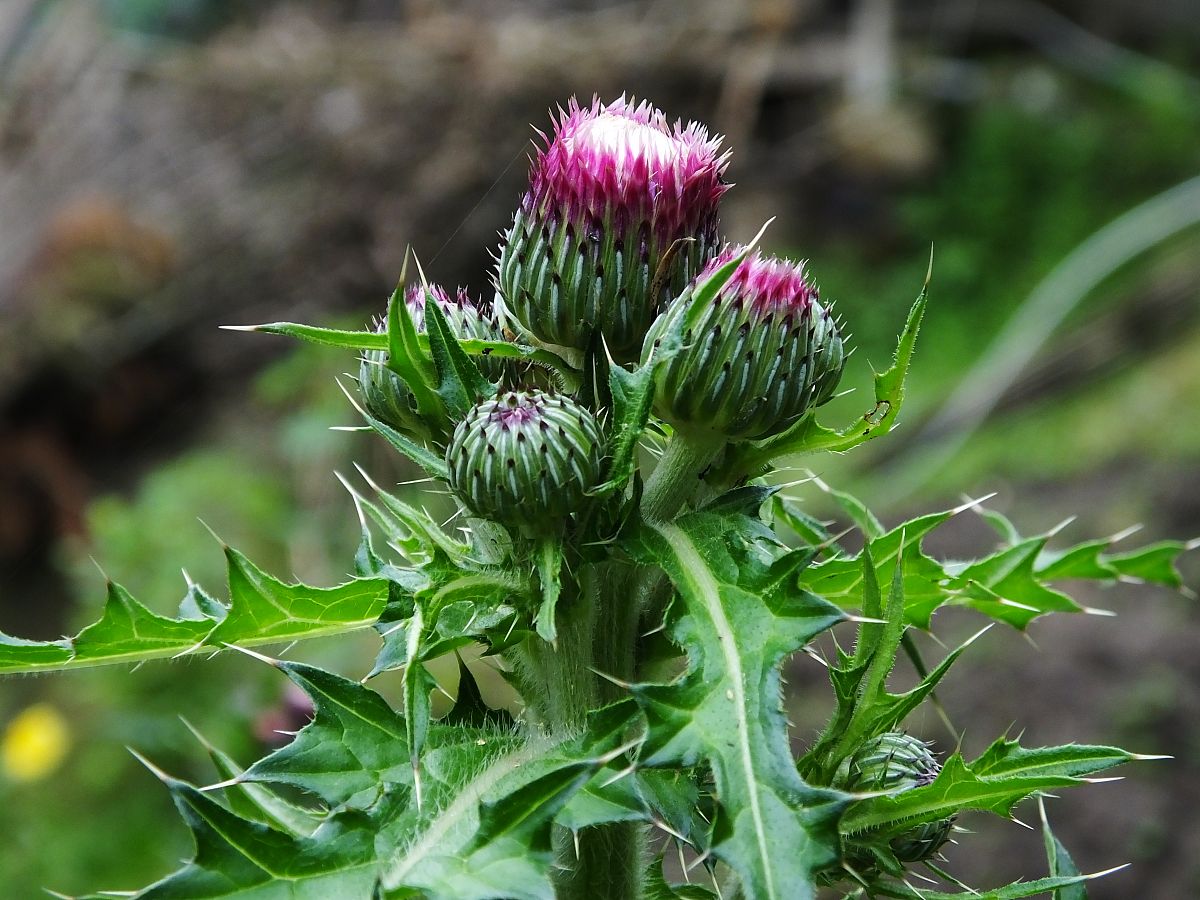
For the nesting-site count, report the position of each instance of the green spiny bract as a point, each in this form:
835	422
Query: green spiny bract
893	762
385	394
758	357
613	192
526	459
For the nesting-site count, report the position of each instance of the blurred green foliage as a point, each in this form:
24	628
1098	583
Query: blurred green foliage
1021	185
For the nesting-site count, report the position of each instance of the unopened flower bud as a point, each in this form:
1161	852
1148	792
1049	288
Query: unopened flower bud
896	762
614	189
757	358
525	459
384	393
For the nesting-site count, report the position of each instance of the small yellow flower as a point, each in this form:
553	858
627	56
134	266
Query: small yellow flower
34	743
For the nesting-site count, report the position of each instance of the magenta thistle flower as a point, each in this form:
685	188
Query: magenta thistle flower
615	187
754	360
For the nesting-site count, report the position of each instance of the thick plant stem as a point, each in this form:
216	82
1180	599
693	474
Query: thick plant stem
602	863
562	686
677	476
597	633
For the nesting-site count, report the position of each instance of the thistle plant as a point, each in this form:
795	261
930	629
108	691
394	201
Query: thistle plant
643	604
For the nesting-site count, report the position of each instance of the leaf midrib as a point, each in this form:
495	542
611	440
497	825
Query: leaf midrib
695	570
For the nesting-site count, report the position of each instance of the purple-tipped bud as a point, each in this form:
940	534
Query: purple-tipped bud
615	187
385	393
525	459
754	360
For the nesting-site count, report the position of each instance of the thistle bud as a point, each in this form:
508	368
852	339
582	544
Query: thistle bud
896	762
613	190
754	360
385	393
525	459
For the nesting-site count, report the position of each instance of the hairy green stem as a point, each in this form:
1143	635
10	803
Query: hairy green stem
601	863
597	634
562	688
676	478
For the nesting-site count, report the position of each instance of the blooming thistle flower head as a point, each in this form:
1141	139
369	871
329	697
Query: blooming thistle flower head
384	393
894	762
755	359
614	188
526	459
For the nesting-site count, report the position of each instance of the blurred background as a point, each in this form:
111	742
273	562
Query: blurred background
167	166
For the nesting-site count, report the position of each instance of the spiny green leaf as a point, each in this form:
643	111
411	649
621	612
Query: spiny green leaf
264	609
1014	891
257	802
1059	861
330	337
549	566
374	340
509	853
774	829
460	383
1005	774
1006	758
809	529
127	631
236	857
355	745
261	610
656	887
408	358
632	396
491	836
432	464
1009	585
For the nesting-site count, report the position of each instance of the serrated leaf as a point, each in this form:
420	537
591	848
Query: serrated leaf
1060	862
128	632
492	836
1005	774
549	567
257	802
408	358
656	887
355	745
1007	758
632	397
509	854
460	383
264	609
1009	585
808	528
261	610
250	860
374	340
774	830
432	464
1014	891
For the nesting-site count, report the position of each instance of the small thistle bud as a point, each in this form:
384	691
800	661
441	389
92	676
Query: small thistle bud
760	356
384	393
896	762
525	459
613	190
